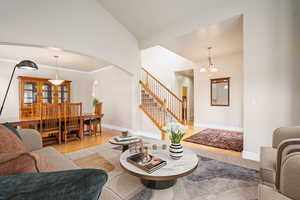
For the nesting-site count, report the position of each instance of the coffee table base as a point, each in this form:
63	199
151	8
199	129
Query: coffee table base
158	185
124	148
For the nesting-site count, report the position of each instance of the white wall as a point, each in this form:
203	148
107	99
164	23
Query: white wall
81	89
78	26
270	61
114	90
162	64
204	114
218	116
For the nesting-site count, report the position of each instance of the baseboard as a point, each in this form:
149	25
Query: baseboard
148	134
139	132
215	126
251	155
117	128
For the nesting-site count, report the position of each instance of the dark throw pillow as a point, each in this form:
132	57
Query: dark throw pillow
13	129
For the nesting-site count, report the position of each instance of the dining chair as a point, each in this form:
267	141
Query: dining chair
97	122
36	110
50	123
72	116
92	124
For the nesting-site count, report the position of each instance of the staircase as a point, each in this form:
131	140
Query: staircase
159	103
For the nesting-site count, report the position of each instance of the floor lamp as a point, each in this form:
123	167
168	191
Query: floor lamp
25	64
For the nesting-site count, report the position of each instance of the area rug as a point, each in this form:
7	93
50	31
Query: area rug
212	180
230	140
94	161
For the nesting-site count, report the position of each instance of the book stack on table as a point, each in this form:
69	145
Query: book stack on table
125	139
150	166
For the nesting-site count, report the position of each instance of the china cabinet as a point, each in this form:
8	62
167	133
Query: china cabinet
34	91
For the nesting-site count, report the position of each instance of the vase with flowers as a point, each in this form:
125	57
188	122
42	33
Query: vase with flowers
176	132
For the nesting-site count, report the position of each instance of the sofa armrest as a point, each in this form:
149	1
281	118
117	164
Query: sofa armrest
268	193
287	171
31	138
66	185
284	133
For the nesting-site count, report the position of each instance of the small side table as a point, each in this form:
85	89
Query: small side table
125	144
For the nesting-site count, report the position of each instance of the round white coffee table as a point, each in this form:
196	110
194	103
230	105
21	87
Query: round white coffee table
124	144
166	176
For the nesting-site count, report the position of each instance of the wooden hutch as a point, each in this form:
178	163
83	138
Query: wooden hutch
34	91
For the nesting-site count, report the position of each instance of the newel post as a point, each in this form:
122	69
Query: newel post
184	106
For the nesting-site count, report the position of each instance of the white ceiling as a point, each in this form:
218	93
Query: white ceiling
45	56
225	38
144	18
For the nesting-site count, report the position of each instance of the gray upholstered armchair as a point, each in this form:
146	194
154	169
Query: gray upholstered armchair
280	166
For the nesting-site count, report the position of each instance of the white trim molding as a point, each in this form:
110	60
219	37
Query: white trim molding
117	128
61	68
215	126
154	135
251	155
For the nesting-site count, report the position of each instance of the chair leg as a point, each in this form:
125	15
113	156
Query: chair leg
95	128
65	136
90	127
59	138
100	126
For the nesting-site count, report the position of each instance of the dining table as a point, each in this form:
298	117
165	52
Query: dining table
35	121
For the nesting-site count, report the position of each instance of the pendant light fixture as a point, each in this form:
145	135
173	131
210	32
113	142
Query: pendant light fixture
57	81
211	67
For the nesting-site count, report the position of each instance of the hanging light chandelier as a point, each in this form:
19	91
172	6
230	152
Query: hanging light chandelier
57	81
211	67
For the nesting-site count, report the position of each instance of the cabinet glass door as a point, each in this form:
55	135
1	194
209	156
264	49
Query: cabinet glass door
63	94
30	93
47	93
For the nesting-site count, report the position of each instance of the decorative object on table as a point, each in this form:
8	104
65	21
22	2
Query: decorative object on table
124	133
146	155
95	101
124	139
154	147
164	147
152	164
25	64
176	132
124	142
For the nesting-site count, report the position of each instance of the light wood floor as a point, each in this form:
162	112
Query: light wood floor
87	141
90	141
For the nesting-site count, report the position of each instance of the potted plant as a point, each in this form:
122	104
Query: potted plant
95	101
176	132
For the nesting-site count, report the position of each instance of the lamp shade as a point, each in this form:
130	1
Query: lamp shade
202	69
27	64
56	82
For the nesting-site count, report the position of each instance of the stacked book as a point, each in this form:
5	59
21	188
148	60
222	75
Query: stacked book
125	139
150	166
